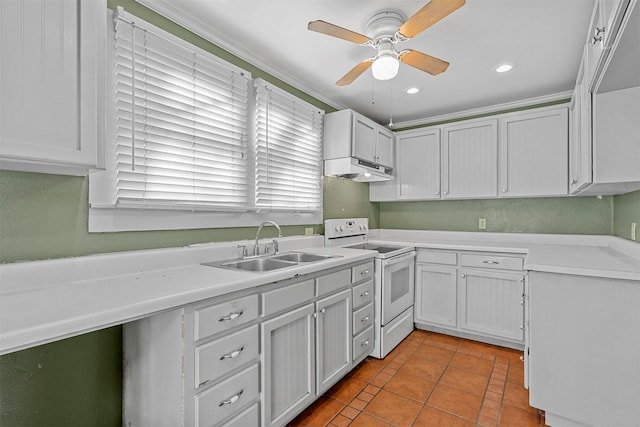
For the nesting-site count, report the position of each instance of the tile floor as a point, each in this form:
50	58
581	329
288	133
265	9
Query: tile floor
430	380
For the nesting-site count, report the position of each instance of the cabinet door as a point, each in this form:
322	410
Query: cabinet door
333	339
418	165
436	295
50	77
384	147
288	365
385	191
491	303
595	43
580	133
470	160
533	152
364	136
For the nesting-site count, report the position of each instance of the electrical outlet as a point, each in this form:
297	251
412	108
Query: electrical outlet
482	223
308	231
633	231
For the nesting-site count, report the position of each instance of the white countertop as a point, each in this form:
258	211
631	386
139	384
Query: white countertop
44	301
599	256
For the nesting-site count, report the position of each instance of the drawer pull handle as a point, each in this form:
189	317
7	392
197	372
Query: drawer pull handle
233	354
364	294
491	262
363	272
232	399
231	316
364	343
364	319
203	383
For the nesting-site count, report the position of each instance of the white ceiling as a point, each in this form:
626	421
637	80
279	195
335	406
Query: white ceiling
543	38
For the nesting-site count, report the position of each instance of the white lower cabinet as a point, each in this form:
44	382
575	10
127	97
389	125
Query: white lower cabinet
252	358
288	364
583	366
491	303
473	295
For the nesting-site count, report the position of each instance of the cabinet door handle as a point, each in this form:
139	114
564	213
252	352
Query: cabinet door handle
446	192
437	193
504	190
364	319
597	39
323	311
364	294
522	327
203	383
522	358
491	262
463	275
233	399
599	30
364	272
231	316
522	302
233	354
364	343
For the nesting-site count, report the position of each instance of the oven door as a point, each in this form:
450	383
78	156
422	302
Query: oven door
397	283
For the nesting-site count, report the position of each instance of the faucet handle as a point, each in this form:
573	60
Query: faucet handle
244	250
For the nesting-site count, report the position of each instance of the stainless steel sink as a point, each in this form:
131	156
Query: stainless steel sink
254	264
269	263
301	257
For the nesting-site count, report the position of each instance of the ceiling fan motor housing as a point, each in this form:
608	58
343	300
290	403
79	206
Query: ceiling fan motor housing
384	25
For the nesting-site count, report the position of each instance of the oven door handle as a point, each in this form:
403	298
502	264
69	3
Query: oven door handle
399	259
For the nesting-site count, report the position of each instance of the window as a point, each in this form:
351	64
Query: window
191	143
181	124
288	151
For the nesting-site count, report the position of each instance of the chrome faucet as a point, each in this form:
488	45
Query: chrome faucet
256	250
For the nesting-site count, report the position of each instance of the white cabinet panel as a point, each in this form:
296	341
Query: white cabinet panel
418	165
436	294
51	80
533	151
364	136
470	159
288	364
384	147
492	303
333	339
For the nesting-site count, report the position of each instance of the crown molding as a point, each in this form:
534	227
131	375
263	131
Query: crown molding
484	110
171	11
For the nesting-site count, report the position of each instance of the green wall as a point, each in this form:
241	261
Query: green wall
577	215
626	211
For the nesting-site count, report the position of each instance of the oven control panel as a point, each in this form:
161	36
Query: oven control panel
335	228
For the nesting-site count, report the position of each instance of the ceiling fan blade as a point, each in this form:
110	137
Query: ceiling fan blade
423	62
430	13
355	73
336	31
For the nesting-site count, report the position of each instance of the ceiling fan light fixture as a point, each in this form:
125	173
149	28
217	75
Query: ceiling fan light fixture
413	90
385	67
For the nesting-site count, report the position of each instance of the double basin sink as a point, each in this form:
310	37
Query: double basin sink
271	262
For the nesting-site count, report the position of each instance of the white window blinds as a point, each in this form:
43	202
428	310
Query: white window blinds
288	133
181	123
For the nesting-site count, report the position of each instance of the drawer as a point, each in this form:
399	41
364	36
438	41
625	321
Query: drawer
362	294
217	318
247	418
223	355
287	297
437	257
334	281
362	272
491	261
363	344
230	396
362	319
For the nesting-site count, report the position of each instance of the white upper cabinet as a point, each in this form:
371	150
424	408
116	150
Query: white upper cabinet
418	164
533	153
349	134
52	85
469	159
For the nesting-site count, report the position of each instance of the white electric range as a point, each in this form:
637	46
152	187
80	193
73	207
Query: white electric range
394	277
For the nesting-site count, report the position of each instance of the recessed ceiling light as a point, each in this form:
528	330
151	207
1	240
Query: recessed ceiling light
413	90
503	68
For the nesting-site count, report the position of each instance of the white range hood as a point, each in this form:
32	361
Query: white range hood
357	170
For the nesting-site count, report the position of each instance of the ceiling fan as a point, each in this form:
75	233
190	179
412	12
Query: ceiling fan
385	30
